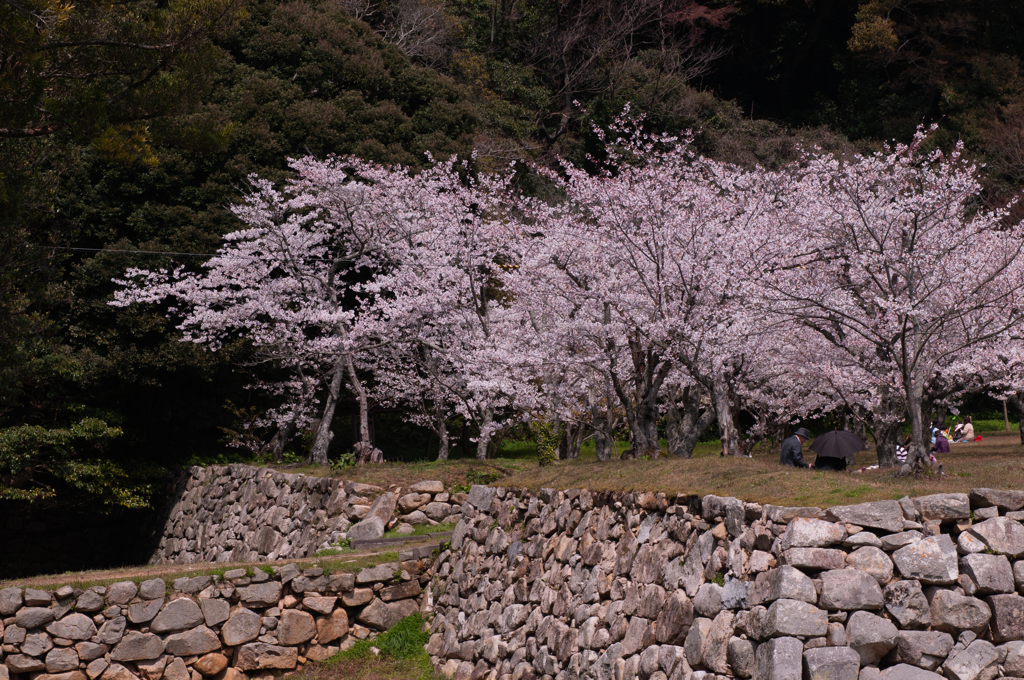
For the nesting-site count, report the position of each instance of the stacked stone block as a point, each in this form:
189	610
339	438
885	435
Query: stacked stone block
203	627
240	513
572	584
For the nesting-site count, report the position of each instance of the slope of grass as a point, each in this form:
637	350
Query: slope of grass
396	654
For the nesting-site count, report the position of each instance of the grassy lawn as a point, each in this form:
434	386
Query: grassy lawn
997	461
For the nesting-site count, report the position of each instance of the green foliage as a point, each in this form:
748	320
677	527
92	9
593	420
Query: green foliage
548	436
344	461
403	641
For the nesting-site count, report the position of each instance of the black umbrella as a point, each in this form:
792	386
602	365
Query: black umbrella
837	444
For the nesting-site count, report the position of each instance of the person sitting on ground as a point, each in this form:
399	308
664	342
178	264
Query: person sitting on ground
941	444
901	451
792	454
966	433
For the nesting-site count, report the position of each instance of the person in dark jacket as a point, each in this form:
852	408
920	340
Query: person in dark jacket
792	454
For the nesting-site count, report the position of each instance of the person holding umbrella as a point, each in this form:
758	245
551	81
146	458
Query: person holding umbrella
792	449
836	449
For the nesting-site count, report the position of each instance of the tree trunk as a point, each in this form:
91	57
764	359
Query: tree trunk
1017	401
685	427
322	441
574	440
603	439
918	450
442	435
275	447
487	417
365	451
726	425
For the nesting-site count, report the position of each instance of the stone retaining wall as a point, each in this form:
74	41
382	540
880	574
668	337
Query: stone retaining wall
240	513
248	622
573	584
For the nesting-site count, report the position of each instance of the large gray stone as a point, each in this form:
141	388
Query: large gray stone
924	648
897	541
195	642
870	636
144	611
480	497
22	663
990	573
906	602
136	646
87	651
785	582
780	659
261	656
73	627
295	627
381	615
432	487
849	589
885	515
111	632
62	660
694	644
242	626
378	574
907	672
943	506
10	601
795	618
215	611
333	627
969	663
260	595
36	644
956	613
803	532
674	619
831	663
180	614
814	558
873	561
708	600
89	601
122	592
153	589
932	560
742	657
33	617
1001	534
1007	617
1005	500
1013	664
715	649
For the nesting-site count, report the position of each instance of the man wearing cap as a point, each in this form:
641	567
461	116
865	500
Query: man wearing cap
792	454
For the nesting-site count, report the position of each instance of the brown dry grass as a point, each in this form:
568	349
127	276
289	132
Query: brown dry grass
997	462
465	472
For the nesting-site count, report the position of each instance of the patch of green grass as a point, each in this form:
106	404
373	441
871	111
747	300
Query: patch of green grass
403	642
422	530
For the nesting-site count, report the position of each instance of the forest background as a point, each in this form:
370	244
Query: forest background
129	128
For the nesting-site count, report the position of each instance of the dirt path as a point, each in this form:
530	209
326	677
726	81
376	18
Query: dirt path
178	570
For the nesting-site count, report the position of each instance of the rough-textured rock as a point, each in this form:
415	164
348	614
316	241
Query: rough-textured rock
215	612
261	656
896	541
480	497
144	611
814	558
430	487
333	627
117	672
849	589
295	627
956	613
180	614
152	670
260	595
376	520
924	648
36	644
1004	500
176	670
873	561
714	651
906	672
153	589
11	601
694	644
831	663
932	560
193	642
708	600
89	601
22	663
803	532
674	619
785	582
33	617
382	615
73	627
211	664
136	646
243	625
111	632
795	618
943	506
885	515
742	657
412	501
121	592
780	659
378	574
969	663
1002	535
1007	617
990	573
61	660
870	636
906	602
